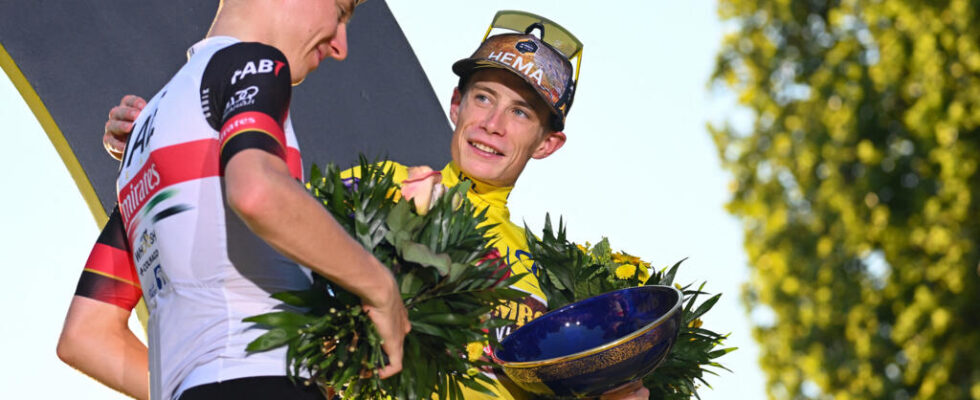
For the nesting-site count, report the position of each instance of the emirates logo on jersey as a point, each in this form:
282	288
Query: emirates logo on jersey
136	191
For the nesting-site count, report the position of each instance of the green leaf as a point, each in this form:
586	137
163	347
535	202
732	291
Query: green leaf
410	284
428	329
417	253
446	319
298	298
272	339
285	319
705	307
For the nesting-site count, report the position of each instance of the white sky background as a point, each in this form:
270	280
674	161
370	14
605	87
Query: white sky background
638	167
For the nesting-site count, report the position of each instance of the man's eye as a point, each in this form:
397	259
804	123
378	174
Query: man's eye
481	98
521	113
343	14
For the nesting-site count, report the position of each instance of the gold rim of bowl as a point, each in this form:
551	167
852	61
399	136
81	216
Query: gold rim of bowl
594	350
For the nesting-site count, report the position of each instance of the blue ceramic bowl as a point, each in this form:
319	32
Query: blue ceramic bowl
589	347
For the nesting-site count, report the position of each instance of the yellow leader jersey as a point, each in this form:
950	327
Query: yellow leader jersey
510	240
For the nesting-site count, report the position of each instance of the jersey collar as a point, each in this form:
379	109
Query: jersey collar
483	195
209	41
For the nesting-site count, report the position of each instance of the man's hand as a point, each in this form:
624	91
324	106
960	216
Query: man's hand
120	124
630	391
391	319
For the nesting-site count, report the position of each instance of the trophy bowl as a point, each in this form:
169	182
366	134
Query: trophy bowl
592	346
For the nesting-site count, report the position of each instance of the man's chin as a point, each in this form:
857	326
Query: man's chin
478	171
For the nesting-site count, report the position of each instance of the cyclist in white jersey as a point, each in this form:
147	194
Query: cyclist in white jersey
500	124
214	217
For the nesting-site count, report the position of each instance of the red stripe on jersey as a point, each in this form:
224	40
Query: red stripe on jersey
112	262
295	162
167	166
110	277
252	121
108	290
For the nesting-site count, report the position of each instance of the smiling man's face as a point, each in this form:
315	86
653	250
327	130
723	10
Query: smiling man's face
312	32
500	125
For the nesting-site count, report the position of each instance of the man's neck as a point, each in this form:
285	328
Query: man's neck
245	21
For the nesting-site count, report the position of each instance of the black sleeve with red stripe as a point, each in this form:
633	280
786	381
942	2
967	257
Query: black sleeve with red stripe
109	275
245	93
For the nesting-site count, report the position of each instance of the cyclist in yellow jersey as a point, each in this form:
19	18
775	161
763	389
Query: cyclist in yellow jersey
509	107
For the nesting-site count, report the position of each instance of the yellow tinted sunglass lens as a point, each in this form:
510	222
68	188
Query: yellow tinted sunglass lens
554	34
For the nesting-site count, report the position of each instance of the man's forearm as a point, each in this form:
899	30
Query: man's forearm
283	214
97	341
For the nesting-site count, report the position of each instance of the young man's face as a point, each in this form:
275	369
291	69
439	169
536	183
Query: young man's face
500	125
316	29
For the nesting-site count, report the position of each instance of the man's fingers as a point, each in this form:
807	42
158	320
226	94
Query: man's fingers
123	113
112	145
394	352
119	130
120	124
394	349
393	325
133	101
390	369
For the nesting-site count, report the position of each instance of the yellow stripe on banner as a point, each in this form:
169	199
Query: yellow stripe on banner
55	135
64	150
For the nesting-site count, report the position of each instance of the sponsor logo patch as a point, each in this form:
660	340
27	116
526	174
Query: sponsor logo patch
241	98
518	62
263	66
146	240
526	46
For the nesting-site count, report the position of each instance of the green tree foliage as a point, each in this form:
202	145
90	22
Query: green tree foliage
858	188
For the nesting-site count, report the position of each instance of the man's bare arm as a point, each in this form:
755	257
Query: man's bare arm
278	209
97	341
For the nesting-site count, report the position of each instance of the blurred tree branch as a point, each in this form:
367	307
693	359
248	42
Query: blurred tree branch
858	190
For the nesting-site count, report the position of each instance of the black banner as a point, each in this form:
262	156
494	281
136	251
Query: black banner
80	58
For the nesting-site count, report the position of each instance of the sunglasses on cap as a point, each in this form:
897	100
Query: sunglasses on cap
551	33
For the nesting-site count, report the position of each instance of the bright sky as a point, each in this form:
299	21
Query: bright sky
638	167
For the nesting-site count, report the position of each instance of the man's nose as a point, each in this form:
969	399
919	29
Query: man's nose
338	44
493	121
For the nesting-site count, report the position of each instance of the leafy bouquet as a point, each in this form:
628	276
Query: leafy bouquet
448	276
571	272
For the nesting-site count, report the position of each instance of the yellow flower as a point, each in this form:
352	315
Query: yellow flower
472	372
474	350
623	258
625	271
644	270
695	324
582	248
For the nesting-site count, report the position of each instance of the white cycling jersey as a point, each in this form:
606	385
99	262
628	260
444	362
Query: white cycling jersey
201	269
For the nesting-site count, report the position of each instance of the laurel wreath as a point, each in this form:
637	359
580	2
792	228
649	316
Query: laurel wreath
448	278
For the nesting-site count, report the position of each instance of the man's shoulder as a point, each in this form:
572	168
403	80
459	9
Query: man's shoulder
241	62
246	51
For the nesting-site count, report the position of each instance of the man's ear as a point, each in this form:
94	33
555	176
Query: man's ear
454	105
549	145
